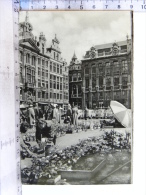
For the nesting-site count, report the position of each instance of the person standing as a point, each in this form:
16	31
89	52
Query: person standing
69	114
36	111
31	116
55	113
86	113
46	112
75	116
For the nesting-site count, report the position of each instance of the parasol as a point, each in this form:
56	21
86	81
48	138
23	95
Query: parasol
121	113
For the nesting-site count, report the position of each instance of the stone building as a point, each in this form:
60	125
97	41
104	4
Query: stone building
42	69
75	82
107	75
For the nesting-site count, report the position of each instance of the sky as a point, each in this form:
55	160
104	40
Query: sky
78	31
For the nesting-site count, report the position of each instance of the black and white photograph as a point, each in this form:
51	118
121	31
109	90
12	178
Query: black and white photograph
76	97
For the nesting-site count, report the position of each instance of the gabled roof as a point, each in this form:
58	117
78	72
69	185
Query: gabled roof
109	45
29	43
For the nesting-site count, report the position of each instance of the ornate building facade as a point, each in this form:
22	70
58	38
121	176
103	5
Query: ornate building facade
107	74
75	82
42	69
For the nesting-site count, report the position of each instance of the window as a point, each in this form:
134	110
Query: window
46	73
93	77
107	51
54	55
39	61
60	85
58	96
43	83
21	56
100	52
100	81
28	75
123	48
51	66
116	81
86	70
43	62
39	94
43	95
43	72
27	58
51	84
60	69
39	83
79	90
124	66
51	95
116	67
33	60
70	78
33	76
124	81
61	96
108	81
54	67
39	72
57	68
46	95
47	84
54	95
57	82
107	65
87	82
46	64
74	77
54	84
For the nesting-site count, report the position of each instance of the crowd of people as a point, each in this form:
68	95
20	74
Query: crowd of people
32	113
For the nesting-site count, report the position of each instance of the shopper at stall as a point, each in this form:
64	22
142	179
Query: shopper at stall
31	116
69	114
75	116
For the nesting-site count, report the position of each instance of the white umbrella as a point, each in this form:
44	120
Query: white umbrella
121	113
